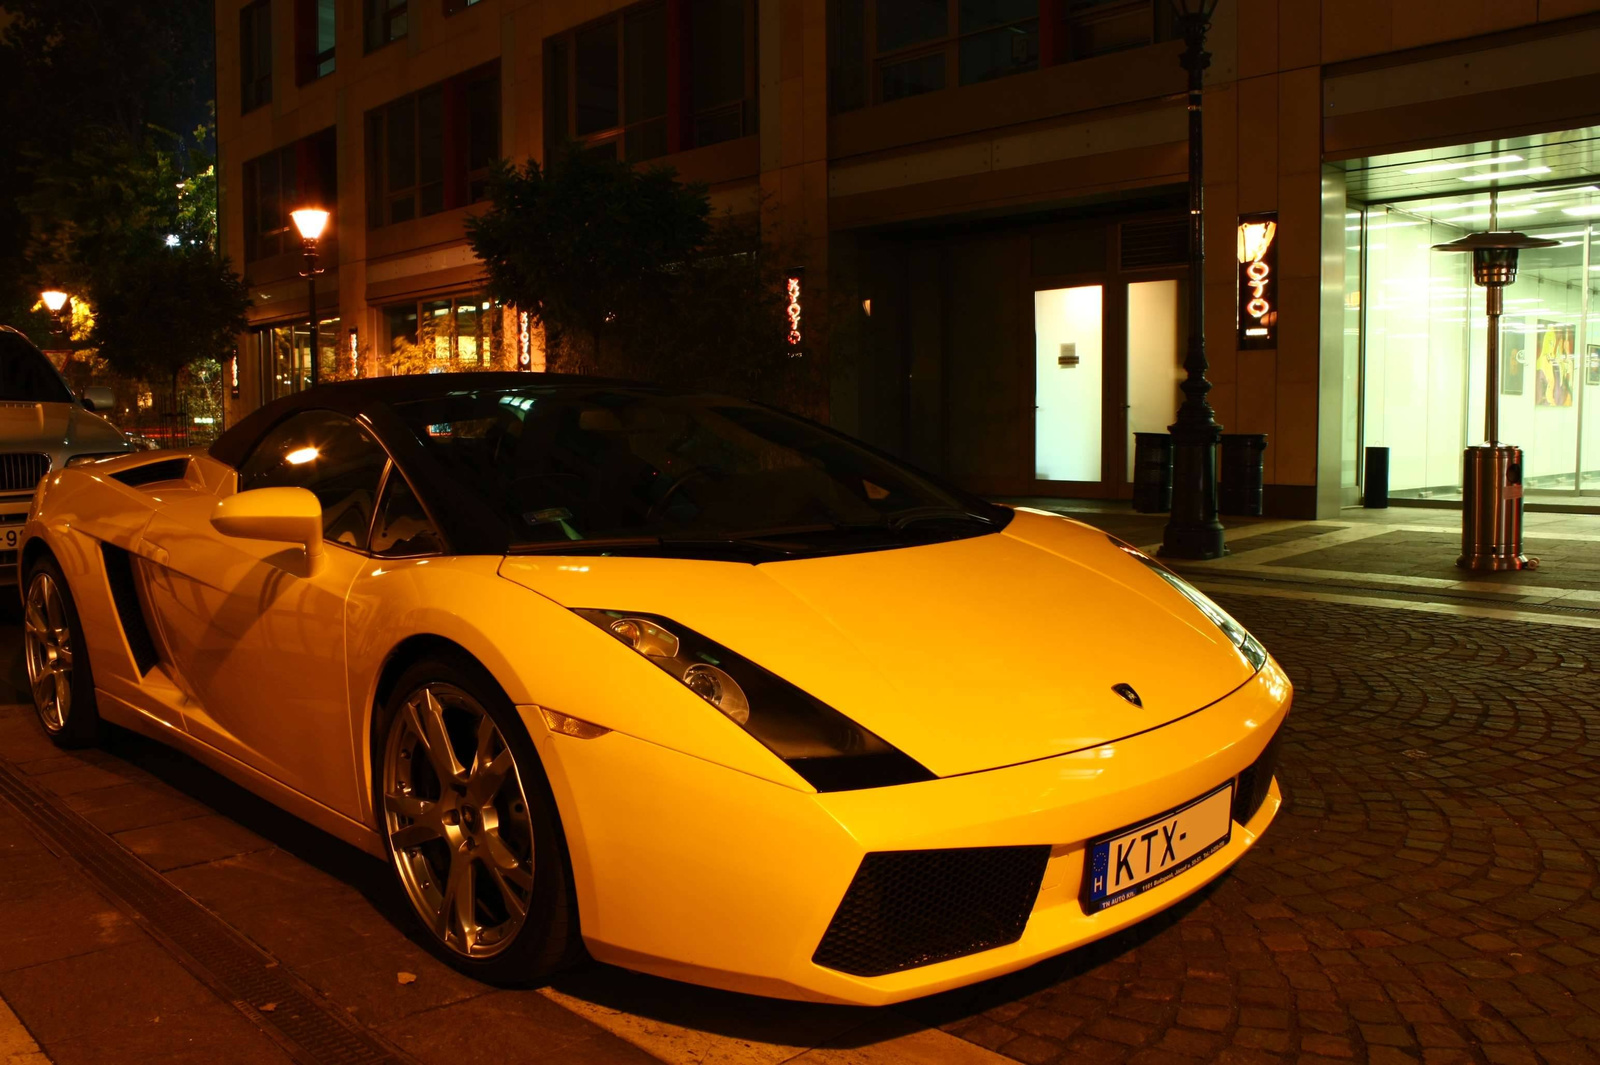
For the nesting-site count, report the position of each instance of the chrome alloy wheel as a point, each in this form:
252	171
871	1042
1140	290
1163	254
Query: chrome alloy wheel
457	820
47	649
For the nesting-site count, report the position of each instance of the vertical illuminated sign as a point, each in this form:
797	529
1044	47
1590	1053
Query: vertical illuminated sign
355	354
1258	281
524	343
792	308
233	375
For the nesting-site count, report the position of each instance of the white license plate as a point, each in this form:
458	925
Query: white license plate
8	538
1136	859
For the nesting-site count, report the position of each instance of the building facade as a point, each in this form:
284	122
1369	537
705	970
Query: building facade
987	199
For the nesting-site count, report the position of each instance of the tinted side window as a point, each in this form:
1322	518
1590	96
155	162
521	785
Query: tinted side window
403	527
329	454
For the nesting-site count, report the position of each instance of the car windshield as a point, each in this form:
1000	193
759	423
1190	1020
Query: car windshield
26	375
617	469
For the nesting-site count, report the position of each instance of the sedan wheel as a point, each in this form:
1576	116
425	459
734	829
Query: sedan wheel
458	822
47	641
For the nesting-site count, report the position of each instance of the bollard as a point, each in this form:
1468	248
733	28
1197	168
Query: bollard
1375	486
1239	489
1152	473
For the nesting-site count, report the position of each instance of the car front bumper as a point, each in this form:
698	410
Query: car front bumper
692	871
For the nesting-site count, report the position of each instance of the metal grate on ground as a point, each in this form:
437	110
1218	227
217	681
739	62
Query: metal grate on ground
311	1029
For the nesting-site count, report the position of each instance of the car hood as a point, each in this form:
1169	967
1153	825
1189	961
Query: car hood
967	655
51	425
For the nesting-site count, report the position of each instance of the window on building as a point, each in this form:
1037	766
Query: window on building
305	172
452	7
432	150
283	355
255	55
314	28
885	50
385	20
470	332
654	79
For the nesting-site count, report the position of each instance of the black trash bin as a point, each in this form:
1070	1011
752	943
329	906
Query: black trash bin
1375	486
1242	474
1152	473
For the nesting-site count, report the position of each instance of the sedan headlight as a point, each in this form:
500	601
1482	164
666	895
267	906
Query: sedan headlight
1248	646
827	749
79	460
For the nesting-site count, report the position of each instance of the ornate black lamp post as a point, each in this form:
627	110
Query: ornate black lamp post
311	221
1193	530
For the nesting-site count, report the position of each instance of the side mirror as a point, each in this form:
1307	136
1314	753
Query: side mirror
284	515
99	397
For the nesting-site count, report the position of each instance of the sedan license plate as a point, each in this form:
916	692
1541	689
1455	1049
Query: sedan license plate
1134	860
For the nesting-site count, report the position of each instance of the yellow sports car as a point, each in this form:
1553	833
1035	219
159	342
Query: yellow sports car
705	689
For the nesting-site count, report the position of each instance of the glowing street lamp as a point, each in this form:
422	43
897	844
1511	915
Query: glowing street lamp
311	221
56	302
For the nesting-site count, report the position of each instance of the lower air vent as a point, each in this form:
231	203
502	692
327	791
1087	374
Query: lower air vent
1255	782
21	471
905	909
125	594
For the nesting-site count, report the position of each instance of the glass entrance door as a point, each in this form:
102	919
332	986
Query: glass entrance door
1107	362
1069	371
1156	313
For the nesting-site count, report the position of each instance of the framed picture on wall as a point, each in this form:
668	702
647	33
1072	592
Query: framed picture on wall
1513	361
1554	371
1591	366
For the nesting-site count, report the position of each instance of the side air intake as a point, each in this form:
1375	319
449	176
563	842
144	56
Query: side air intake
125	594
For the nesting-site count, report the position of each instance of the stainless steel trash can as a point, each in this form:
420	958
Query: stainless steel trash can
1491	509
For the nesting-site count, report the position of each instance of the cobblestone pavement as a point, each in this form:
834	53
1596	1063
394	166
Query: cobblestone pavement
1427	893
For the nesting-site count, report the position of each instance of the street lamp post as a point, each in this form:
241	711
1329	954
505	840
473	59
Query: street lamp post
1193	530
311	221
57	303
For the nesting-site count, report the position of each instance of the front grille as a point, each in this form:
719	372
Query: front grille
911	908
1255	782
21	471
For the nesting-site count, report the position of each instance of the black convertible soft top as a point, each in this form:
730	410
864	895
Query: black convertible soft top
469	525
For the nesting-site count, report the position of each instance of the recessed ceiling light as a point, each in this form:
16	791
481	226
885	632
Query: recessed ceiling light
1498	174
1434	168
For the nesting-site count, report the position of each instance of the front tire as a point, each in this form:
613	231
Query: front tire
57	658
471	826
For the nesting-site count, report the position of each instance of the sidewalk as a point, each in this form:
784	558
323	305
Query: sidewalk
1401	557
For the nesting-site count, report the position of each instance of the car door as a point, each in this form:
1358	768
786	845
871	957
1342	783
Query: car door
254	635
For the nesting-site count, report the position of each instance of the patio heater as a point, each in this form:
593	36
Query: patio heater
1491	474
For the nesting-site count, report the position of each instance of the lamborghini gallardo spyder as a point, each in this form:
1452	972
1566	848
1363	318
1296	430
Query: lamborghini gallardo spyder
679	681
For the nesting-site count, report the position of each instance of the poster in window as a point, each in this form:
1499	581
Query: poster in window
1591	366
1513	359
1554	371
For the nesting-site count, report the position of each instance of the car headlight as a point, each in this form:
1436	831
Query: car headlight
79	460
827	749
1248	646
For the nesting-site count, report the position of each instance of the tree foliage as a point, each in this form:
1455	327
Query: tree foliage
586	242
631	277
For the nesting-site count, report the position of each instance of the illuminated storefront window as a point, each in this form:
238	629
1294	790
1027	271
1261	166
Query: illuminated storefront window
1420	323
468	332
